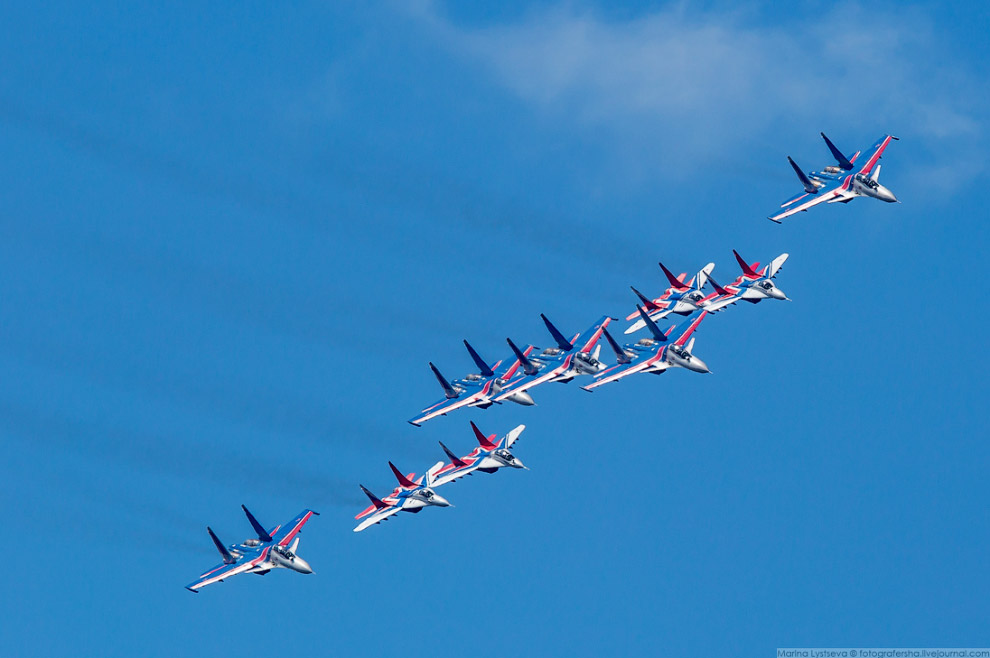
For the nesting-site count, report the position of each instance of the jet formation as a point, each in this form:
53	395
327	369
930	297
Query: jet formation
415	494
512	378
839	183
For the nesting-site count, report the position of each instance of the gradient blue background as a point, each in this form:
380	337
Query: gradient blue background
232	237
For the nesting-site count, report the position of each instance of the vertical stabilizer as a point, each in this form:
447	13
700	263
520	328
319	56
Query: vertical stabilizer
404	482
483	368
652	326
258	528
227	557
562	342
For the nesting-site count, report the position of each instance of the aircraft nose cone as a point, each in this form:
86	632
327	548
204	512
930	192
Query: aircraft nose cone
440	501
697	365
887	195
518	464
777	293
523	398
301	565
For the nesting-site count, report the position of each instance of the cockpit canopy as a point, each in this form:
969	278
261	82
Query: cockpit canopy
766	285
252	542
552	351
426	493
867	181
505	454
473	377
645	342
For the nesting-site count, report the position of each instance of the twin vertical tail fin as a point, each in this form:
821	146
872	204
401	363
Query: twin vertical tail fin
809	187
562	342
647	302
484	441
227	557
719	289
675	283
375	500
747	270
404	482
620	354
527	365
258	528
843	161
651	325
483	368
454	459
448	390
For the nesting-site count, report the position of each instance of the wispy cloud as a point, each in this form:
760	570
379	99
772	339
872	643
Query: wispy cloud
678	87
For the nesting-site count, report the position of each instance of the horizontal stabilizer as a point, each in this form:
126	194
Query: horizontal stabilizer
809	187
258	528
448	390
227	557
562	342
483	367
837	154
404	482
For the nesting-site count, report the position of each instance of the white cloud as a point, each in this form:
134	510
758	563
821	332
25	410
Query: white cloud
680	87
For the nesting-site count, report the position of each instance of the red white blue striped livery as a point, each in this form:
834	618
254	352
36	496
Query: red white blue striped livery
663	350
273	549
839	183
569	359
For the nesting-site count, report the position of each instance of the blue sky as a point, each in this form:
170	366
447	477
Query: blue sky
233	239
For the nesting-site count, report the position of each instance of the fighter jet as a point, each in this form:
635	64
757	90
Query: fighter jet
272	549
475	389
681	298
753	285
839	184
563	363
670	349
488	457
412	495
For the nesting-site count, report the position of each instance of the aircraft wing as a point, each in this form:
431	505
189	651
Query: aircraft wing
718	304
690	329
446	405
513	435
458	472
876	151
378	517
640	363
585	341
223	571
803	202
285	534
527	382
